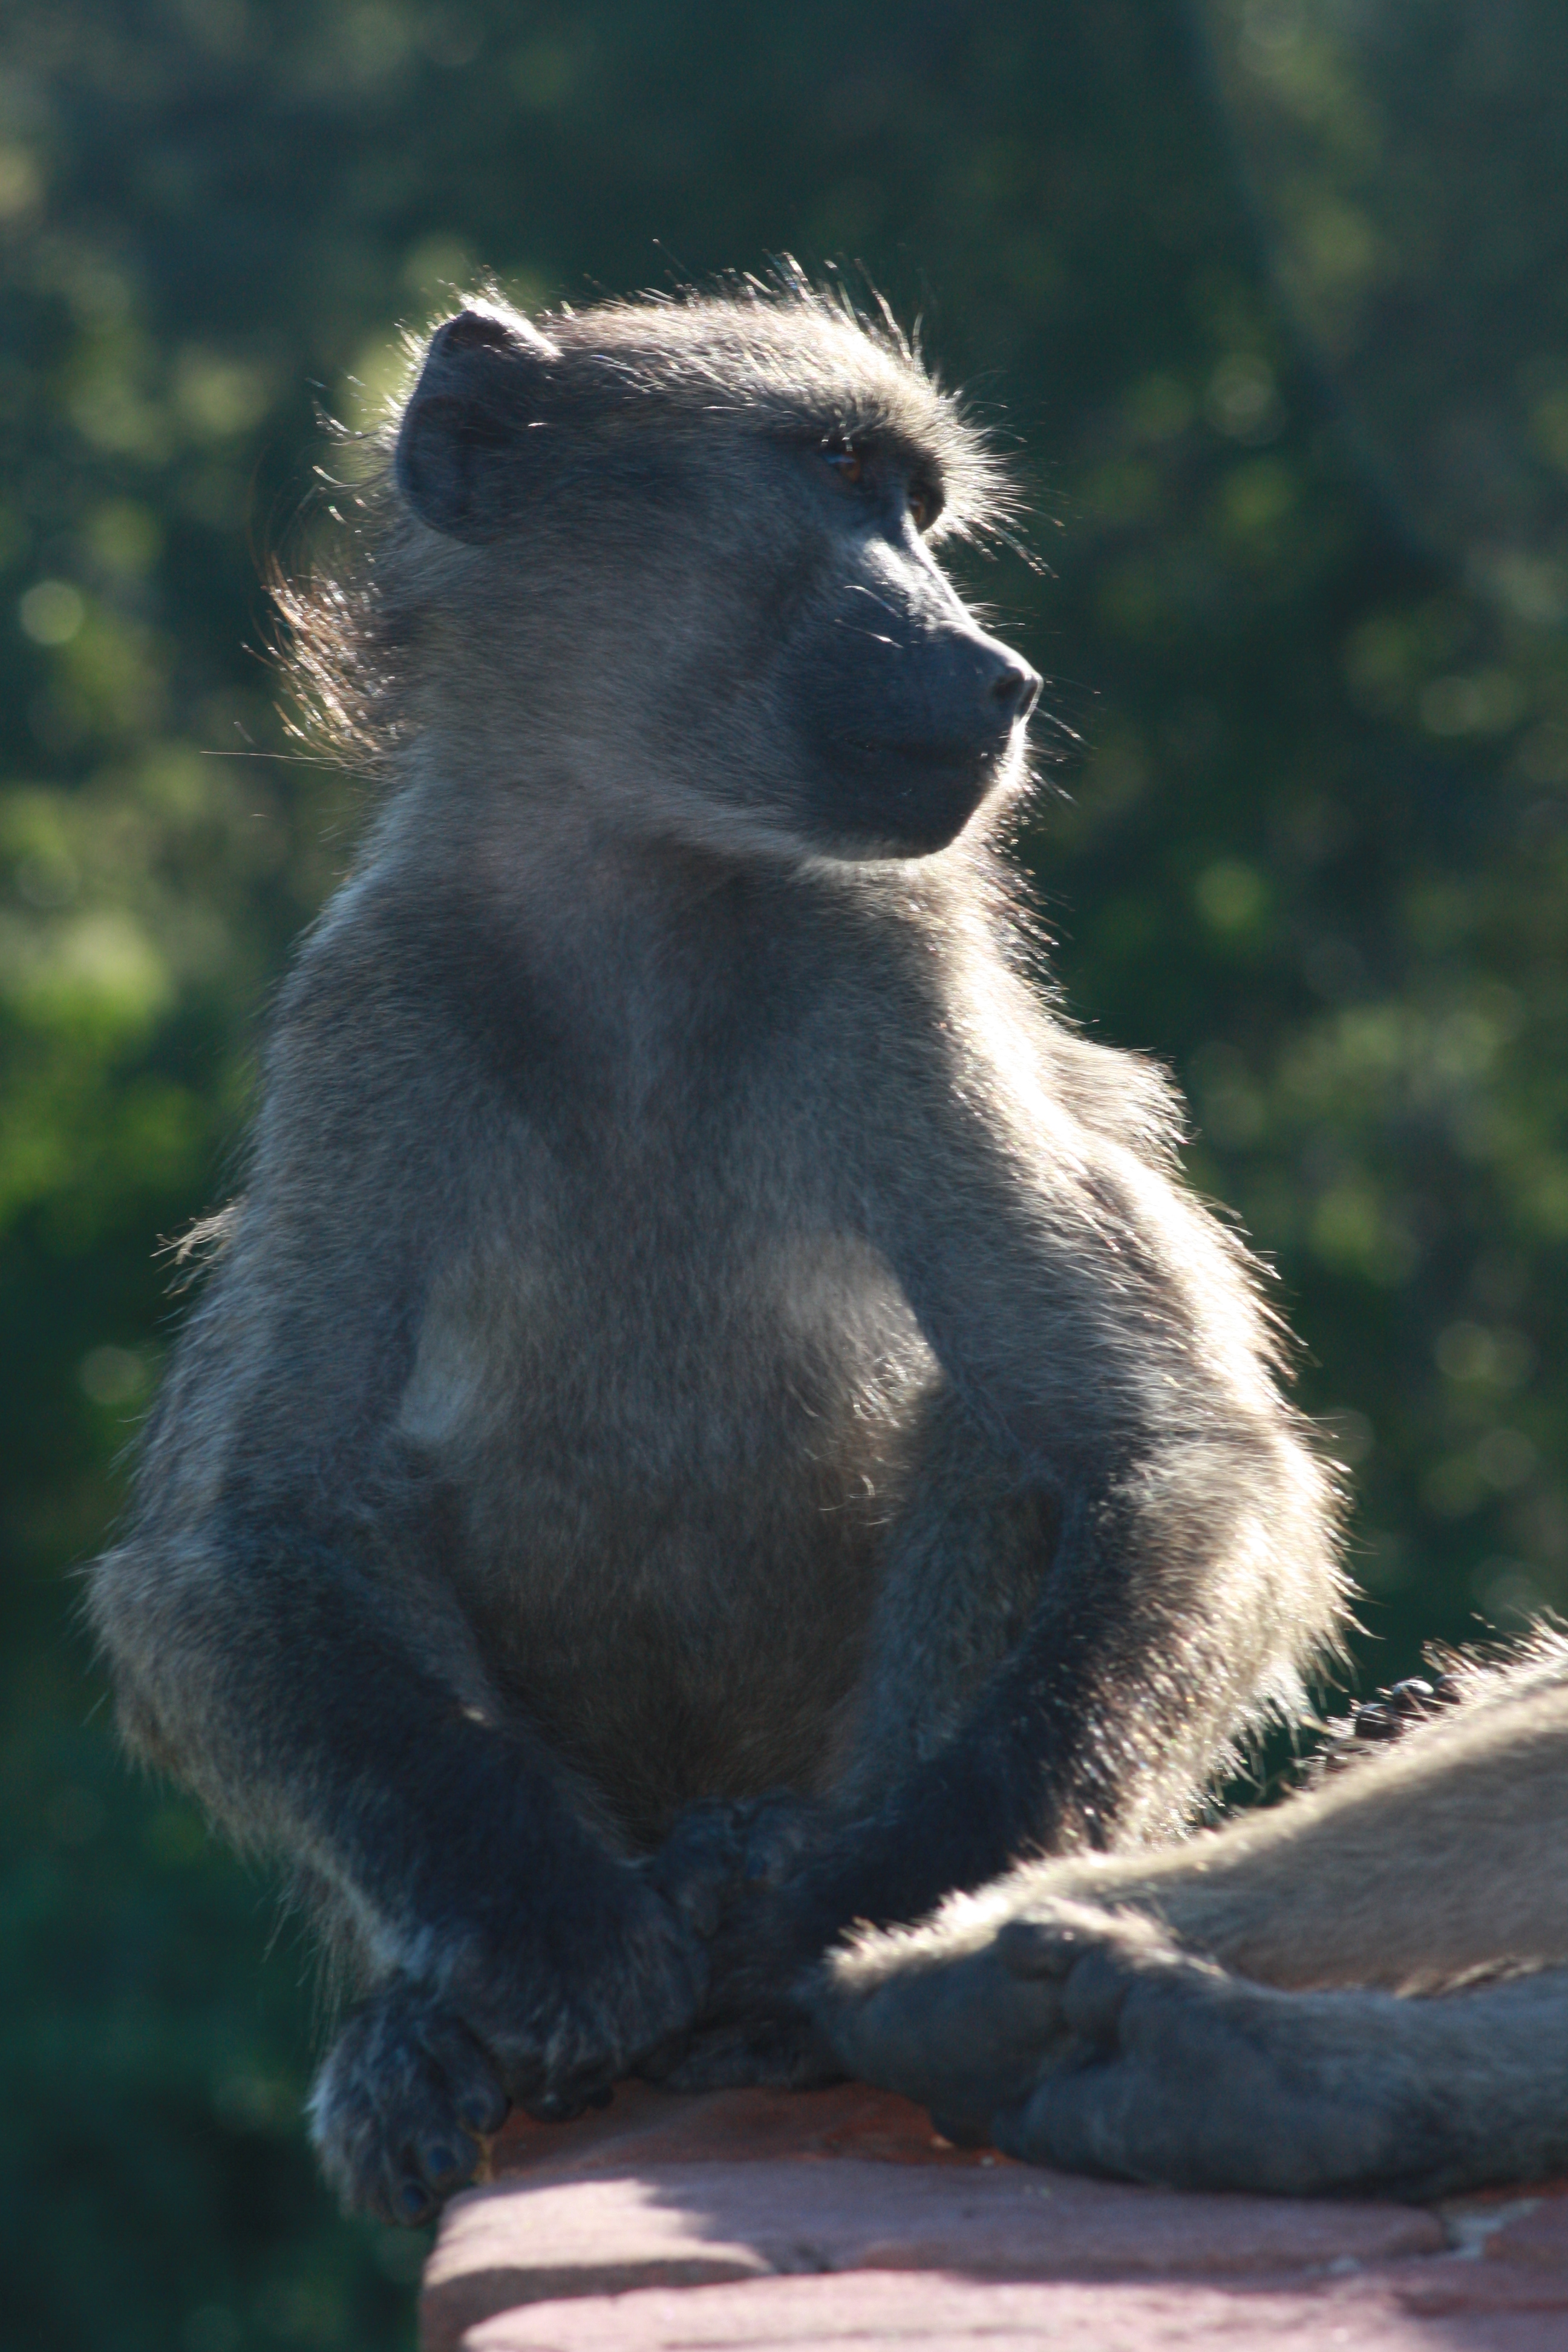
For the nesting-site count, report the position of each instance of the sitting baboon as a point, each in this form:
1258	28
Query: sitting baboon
1363	1988
699	1327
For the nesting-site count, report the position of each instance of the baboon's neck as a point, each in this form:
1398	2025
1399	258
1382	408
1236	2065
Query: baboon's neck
636	930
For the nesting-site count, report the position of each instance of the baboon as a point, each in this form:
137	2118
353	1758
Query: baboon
1363	1988
715	1417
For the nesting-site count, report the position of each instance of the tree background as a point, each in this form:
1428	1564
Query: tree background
1273	295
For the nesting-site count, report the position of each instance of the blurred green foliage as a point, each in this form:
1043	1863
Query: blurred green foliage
1275	298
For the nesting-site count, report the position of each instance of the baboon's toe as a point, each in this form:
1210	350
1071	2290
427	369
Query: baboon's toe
783	2053
402	2105
963	2034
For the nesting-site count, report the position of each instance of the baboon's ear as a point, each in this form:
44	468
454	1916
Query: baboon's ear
464	455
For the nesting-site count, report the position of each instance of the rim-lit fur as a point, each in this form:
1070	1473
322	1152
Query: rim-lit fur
1363	1988
699	1324
769	356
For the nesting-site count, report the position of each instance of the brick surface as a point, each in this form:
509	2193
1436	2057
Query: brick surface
839	2217
866	2313
1534	2230
643	2126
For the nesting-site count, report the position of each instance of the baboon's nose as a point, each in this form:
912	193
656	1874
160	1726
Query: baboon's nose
1016	687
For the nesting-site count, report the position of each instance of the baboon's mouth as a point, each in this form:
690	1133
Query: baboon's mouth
927	754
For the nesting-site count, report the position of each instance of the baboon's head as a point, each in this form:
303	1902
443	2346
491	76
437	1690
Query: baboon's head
687	545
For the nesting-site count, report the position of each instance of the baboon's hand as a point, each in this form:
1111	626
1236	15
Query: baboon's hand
963	2033
720	1856
604	1974
417	2076
726	1869
1186	2075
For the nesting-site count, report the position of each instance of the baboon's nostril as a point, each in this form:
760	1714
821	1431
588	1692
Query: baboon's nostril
1017	689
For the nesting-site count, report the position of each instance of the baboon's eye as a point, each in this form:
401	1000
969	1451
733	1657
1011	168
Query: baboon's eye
924	505
847	463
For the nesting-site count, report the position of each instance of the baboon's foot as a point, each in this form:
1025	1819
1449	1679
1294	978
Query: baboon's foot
963	2031
415	2079
401	2105
611	1975
1389	1715
726	1872
785	2054
1178	2073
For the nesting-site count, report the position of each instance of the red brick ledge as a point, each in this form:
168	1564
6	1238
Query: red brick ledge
758	2218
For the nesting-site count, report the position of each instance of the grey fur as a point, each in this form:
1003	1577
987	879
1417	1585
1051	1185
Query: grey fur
1365	1988
697	1323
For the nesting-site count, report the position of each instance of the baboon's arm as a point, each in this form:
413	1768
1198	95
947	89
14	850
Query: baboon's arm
284	1628
323	1696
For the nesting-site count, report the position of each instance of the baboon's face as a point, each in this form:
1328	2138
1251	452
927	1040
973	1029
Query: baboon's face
897	714
740	595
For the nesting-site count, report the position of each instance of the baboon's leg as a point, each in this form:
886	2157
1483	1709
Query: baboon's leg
1152	1633
968	1559
1435	1861
1432	1862
1185	2074
1112	1710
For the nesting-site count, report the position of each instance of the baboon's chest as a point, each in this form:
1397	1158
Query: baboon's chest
673	1445
646	1376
